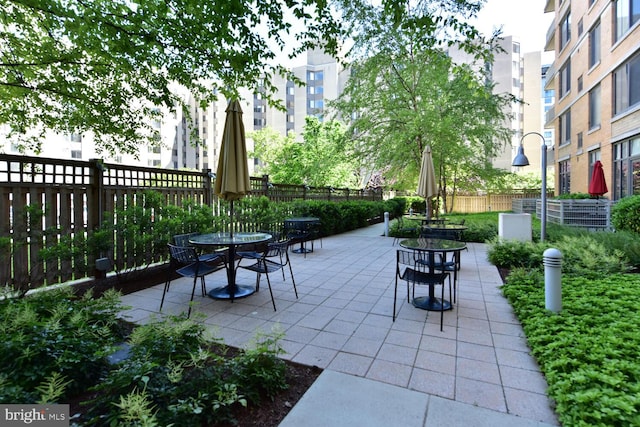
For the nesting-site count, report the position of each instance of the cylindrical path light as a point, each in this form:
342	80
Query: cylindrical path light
552	261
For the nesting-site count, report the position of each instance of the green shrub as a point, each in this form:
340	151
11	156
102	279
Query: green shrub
177	378
54	332
585	256
405	227
480	232
581	256
573	196
625	214
626	242
515	254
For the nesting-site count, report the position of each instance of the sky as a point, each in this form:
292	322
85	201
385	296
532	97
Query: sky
522	18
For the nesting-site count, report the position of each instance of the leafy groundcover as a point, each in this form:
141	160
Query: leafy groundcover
589	351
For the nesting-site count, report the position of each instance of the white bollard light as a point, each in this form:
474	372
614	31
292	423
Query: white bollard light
386	224
552	261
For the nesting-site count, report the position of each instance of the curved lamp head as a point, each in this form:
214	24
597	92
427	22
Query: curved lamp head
520	159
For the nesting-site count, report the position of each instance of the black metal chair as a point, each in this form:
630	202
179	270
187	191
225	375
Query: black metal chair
183	241
439	233
409	270
404	231
275	257
188	264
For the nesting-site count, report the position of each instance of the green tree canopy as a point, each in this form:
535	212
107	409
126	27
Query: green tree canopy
408	94
108	66
323	158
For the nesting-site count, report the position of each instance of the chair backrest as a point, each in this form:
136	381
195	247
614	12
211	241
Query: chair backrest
407	258
275	249
435	233
183	239
183	254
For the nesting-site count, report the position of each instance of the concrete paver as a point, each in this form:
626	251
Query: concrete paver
478	371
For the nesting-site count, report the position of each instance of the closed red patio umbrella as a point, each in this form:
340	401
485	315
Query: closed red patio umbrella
598	185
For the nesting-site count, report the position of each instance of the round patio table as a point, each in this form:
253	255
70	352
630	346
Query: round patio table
231	290
432	247
300	226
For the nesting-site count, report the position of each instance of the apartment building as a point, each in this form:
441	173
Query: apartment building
324	79
522	75
596	78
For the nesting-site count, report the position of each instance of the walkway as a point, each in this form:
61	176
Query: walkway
478	371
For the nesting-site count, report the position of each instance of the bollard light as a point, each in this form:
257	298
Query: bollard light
386	224
552	261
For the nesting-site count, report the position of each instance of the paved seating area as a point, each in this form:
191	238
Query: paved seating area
342	323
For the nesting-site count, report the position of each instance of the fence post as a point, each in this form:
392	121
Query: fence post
265	185
207	186
95	197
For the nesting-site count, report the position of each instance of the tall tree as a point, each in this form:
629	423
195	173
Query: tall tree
323	157
407	93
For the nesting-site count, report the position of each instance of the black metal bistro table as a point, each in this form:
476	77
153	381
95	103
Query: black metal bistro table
432	247
231	290
300	227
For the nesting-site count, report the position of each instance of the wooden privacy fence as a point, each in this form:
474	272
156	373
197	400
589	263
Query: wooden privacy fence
71	197
487	202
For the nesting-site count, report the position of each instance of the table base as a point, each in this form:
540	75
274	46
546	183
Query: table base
431	303
223	292
302	250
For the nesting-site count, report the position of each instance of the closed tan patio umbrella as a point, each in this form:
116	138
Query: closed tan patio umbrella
427	186
232	177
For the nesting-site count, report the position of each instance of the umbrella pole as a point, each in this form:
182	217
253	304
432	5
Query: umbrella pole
231	220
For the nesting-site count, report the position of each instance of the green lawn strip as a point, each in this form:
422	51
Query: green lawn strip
589	351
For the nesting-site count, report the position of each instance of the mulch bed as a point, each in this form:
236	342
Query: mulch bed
270	412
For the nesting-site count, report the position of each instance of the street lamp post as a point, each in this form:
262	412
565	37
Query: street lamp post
521	160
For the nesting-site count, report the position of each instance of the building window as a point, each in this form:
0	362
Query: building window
626	168
626	83
580	84
74	137
316	104
594	45
579	140
595	107
565	79
565	30
565	128
76	154
627	14
564	169
314	76
580	27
